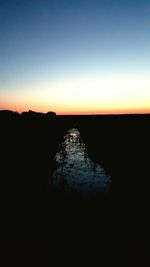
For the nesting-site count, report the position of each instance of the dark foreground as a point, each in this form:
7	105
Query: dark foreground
32	209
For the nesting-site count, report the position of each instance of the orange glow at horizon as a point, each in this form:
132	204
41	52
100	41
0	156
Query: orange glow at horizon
93	95
77	112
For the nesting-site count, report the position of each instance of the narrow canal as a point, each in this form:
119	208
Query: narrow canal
75	171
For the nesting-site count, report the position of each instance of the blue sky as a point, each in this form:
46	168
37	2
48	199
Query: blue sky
64	45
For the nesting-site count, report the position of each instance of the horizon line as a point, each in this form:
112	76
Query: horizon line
83	113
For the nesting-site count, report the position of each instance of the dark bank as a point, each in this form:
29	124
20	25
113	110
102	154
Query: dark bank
75	170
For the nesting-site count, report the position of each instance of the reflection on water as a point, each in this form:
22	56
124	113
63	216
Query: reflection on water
76	171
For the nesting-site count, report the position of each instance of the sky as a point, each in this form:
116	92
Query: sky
75	56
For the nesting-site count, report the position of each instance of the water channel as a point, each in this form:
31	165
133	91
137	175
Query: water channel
75	171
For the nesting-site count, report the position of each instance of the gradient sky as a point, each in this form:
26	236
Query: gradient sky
75	56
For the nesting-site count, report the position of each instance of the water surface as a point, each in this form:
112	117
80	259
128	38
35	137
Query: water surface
76	171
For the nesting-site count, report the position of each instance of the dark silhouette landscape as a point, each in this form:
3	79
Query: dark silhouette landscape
74	133
119	143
